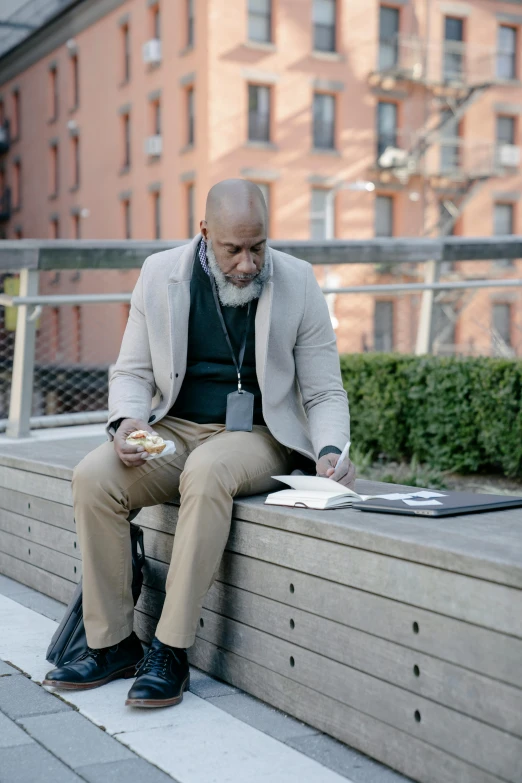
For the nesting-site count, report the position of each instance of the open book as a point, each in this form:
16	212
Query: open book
314	492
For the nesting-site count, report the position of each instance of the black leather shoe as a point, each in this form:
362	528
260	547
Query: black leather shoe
96	667
161	678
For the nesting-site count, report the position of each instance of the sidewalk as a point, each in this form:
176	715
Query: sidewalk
217	735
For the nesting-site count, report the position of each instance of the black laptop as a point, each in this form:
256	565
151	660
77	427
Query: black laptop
442	504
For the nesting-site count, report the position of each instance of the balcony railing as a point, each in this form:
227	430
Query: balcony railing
453	63
439	155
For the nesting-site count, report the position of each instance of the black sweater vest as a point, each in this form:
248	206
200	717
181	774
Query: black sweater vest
211	373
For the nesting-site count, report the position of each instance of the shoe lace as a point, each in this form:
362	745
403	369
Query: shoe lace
156	661
92	652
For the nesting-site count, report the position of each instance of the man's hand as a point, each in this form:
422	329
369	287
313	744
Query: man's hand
326	467
130	455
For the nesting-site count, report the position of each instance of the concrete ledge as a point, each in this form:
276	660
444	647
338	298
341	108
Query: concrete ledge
399	636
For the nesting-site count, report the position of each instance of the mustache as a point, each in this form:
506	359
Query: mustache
242	277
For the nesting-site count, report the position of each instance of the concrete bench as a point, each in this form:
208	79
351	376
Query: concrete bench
400	636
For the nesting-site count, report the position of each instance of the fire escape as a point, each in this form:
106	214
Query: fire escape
452	76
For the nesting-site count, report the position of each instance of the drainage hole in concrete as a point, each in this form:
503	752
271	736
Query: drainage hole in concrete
292	662
416	671
292	624
417	716
415	627
201	622
292	588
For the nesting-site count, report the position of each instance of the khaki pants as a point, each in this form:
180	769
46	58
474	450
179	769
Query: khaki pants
210	467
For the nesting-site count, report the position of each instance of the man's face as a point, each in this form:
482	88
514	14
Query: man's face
239	247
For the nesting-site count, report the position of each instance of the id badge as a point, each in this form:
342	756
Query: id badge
240	411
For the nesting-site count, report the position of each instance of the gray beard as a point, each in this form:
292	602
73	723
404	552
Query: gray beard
229	294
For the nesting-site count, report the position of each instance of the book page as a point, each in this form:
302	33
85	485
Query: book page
316	484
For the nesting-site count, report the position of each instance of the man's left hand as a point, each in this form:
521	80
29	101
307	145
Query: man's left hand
325	467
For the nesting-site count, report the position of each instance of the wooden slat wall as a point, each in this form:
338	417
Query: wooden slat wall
417	666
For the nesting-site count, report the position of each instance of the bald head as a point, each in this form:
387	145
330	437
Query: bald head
235	200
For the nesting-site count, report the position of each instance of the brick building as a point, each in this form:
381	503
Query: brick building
357	118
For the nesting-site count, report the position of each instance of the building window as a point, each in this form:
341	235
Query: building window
190	211
386	126
383	326
54	173
77	333
191	116
324	121
126	141
75	81
503	225
506	52
156	114
260	20
127	218
449	143
443	328
322	214
388	37
54	228
156	202
501	326
258	113
384	216
324	18
453	59
53	93
76	161
190	22
16	115
76	227
17	195
156	22
126	46
264	187
505	130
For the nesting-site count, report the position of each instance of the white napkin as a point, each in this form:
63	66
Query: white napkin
170	448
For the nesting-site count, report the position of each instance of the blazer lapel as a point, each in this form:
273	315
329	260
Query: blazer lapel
179	310
263	319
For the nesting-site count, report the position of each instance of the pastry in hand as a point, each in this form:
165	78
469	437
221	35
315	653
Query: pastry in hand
154	444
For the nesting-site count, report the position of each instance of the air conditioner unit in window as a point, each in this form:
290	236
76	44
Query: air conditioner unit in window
509	155
393	157
152	51
153	145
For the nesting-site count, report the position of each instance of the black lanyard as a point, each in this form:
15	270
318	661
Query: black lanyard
225	332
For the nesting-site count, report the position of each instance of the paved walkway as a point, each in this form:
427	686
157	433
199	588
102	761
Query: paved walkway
217	735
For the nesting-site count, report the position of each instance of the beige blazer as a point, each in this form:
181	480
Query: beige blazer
304	403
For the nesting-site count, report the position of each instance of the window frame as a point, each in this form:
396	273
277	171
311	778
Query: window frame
126	47
319	98
253	134
190	104
512	54
75	81
317	26
327	215
390	333
390	200
267	16
54	93
389	42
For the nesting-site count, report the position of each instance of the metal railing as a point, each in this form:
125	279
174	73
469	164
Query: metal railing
54	364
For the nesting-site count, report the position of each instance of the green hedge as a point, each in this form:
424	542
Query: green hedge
456	414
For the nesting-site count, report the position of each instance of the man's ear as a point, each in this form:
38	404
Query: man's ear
204	229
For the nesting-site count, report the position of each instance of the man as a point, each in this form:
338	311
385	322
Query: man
234	343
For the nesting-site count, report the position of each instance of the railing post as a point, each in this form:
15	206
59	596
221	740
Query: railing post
20	405
424	342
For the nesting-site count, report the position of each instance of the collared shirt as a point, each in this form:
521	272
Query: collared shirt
203	256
